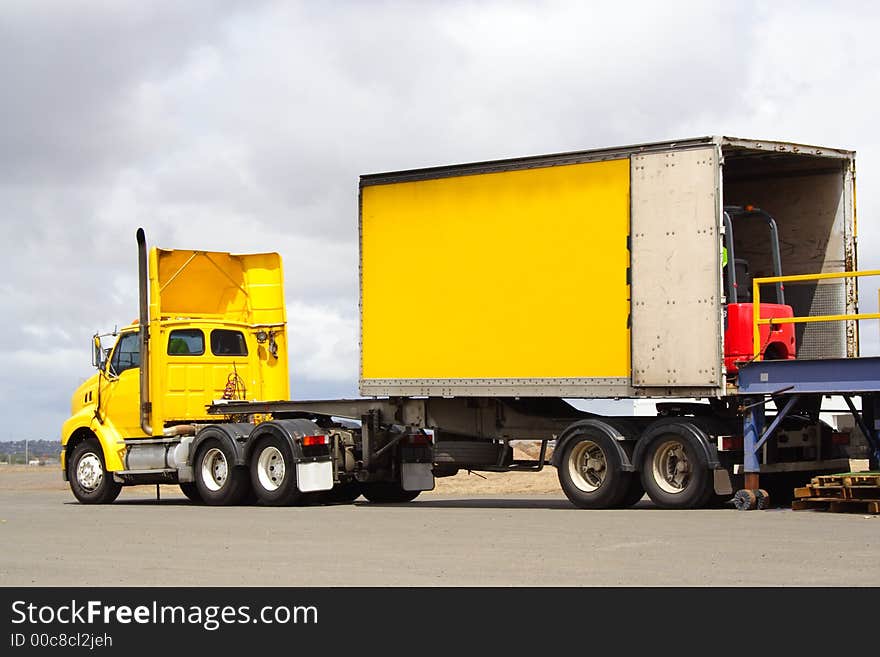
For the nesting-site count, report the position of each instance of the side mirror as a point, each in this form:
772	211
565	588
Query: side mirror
98	353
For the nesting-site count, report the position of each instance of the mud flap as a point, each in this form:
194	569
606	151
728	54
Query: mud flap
314	476
416	476
722	483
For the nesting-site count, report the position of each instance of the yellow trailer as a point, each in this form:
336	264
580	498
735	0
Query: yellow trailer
591	274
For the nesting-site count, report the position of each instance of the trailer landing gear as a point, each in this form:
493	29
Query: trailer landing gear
747	499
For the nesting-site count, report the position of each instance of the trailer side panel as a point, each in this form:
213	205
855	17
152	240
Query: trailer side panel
515	277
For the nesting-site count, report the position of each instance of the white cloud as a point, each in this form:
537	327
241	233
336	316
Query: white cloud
243	126
323	346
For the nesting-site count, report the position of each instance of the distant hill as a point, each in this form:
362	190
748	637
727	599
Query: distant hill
14	451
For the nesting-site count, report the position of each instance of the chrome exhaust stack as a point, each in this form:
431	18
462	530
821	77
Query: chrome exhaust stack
144	330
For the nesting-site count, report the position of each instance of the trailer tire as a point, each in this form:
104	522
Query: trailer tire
219	481
387	492
191	491
590	472
273	472
87	473
675	473
634	492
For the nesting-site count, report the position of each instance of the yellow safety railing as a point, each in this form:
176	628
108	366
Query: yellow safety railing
757	320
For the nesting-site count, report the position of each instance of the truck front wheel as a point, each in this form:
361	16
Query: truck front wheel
590	472
273	472
89	480
219	482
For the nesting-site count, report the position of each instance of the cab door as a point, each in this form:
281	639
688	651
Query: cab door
120	386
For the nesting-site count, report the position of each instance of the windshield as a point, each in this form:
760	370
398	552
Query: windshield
126	355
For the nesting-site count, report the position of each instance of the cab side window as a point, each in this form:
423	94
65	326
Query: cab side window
228	343
186	342
127	354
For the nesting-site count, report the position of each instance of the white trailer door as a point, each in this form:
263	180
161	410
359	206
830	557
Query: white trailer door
676	286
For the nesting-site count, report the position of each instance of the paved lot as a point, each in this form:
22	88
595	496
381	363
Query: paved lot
47	539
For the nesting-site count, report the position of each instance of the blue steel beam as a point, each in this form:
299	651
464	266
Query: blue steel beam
780	416
827	376
753	426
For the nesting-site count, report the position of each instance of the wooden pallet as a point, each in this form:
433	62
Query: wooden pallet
839	492
850	491
849	479
837	505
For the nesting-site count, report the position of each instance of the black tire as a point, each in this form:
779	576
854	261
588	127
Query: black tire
340	494
634	492
675	473
191	491
250	498
273	472
387	492
219	481
91	483
590	473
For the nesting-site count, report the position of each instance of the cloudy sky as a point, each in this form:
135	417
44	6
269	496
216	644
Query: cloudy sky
244	126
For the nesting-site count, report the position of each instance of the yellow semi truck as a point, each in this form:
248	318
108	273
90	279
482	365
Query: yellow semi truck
489	294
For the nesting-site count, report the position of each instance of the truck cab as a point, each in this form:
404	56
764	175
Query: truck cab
212	329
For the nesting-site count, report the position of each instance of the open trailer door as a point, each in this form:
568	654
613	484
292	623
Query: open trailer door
676	286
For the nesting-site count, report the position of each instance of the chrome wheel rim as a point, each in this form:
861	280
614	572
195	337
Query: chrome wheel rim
671	467
587	466
271	468
215	469
89	472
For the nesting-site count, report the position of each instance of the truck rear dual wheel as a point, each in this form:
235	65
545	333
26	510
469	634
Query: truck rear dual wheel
344	493
219	482
273	472
675	473
590	473
89	480
387	492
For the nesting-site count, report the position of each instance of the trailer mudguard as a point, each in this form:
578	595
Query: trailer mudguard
687	430
618	431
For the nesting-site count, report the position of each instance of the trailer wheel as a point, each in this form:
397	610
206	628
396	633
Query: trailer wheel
633	494
89	480
590	472
674	473
273	472
219	481
387	492
191	491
